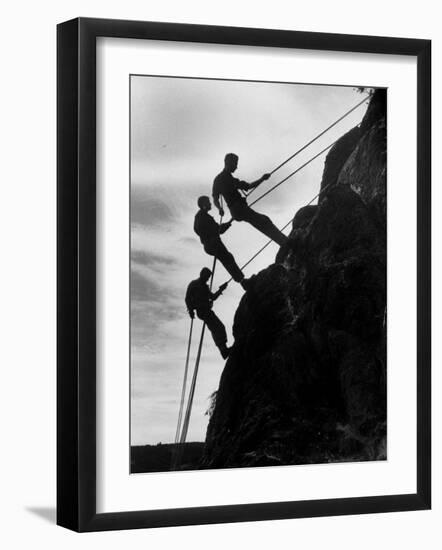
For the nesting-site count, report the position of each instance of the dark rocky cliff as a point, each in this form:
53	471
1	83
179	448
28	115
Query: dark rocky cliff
306	379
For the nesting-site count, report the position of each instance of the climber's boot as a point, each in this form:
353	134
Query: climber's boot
245	283
225	352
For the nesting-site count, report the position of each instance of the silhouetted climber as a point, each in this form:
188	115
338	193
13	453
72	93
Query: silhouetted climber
228	186
209	233
199	298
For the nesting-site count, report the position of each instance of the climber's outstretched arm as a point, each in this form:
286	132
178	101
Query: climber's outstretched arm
254	184
218	293
224	227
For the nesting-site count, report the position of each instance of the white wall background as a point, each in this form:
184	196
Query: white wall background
27	290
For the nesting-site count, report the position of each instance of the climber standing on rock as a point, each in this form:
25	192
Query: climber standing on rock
228	187
209	233
199	298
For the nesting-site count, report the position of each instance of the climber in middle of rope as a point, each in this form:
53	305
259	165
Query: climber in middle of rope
209	231
228	187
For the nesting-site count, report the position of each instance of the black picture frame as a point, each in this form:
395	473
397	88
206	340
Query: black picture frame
76	274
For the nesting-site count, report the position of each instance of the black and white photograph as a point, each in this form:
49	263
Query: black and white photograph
258	262
220	296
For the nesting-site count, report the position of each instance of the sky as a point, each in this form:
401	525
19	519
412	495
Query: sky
181	128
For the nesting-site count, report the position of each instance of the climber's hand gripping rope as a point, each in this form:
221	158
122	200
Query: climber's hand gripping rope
222	288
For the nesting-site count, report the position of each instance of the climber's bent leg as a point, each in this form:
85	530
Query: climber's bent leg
217	329
221	253
260	222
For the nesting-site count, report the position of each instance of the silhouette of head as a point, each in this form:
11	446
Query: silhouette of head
231	162
205	274
204	203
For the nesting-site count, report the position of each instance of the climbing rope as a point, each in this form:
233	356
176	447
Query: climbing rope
192	388
183	391
293	173
315	138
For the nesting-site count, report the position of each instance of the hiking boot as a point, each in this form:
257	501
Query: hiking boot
225	352
245	283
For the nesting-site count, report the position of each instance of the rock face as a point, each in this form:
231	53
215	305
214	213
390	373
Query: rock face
306	378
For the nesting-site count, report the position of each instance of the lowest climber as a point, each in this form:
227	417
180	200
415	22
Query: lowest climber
209	233
199	298
229	187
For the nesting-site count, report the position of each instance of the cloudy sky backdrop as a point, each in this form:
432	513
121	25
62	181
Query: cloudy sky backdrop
180	132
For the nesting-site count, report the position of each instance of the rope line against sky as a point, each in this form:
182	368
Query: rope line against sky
316	138
293	173
183	391
182	438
